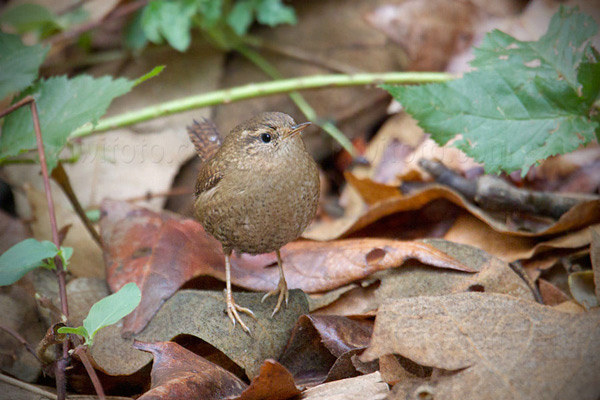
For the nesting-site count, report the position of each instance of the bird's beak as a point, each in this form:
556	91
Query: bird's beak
297	129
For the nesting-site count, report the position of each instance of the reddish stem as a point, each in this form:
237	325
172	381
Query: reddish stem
61	364
81	353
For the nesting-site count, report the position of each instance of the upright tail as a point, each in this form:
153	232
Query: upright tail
205	137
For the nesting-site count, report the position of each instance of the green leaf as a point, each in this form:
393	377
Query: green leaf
24	257
80	330
63	106
210	12
133	35
171	20
112	308
65	254
93	215
19	63
155	71
29	17
274	12
241	16
525	102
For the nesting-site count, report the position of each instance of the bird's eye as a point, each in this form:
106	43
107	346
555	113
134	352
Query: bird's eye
265	137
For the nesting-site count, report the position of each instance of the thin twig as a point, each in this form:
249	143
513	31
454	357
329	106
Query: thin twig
27	386
21	340
62	179
81	353
254	90
16	106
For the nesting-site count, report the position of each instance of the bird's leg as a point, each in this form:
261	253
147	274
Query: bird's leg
281	287
232	308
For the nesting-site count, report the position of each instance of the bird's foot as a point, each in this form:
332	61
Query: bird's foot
232	312
283	294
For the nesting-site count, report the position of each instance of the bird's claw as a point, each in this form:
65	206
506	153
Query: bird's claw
283	294
232	312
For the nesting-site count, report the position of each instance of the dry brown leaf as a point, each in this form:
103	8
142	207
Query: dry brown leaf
360	302
494	345
469	230
551	295
18	310
321	348
359	388
273	382
428	32
177	373
583	289
570	306
595	256
492	275
202	314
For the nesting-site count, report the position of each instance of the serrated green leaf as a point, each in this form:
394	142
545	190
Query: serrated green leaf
241	16
556	55
501	127
24	257
19	63
63	105
274	12
522	104
112	308
589	77
27	17
171	20
80	330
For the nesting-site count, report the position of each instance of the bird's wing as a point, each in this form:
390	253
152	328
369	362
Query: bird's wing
205	137
209	175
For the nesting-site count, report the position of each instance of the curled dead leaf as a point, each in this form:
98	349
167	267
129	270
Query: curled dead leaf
581	215
273	382
491	275
321	348
179	374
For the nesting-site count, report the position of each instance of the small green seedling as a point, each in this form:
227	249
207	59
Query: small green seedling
106	312
28	255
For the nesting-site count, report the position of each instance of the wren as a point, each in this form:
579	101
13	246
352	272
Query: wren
255	192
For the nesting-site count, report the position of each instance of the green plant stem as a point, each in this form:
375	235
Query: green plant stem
298	99
253	90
